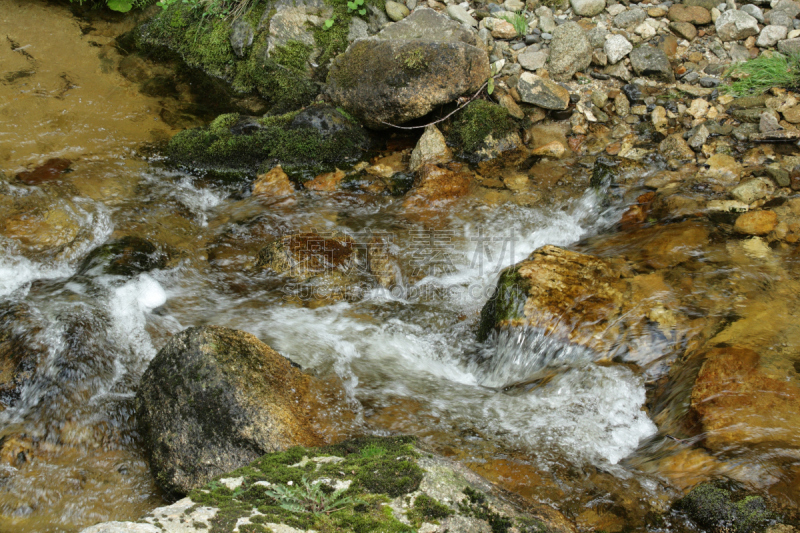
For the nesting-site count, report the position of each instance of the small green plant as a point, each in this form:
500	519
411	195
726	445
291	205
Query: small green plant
357	6
372	450
309	498
763	73
519	22
328	24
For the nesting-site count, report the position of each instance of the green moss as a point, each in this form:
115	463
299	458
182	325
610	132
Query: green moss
506	304
333	41
476	505
717	508
374	478
427	509
242	144
477	121
414	60
603	173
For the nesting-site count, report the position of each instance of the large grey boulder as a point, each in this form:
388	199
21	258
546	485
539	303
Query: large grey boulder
734	25
652	62
215	399
408	69
570	51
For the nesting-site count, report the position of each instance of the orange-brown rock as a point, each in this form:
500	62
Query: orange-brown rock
274	183
327	182
738	402
52	169
756	222
435	185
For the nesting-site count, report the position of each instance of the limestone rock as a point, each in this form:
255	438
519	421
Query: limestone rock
734	25
431	148
215	399
652	62
542	92
616	47
428	25
570	51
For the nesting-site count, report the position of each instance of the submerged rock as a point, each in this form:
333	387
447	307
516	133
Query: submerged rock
214	399
717	508
404	72
20	350
390	484
235	143
127	256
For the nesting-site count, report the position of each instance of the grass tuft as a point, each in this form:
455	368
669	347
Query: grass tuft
759	75
519	22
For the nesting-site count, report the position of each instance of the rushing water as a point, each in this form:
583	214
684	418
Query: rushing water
541	417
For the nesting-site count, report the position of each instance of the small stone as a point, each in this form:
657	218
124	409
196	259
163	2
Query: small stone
552	149
542	92
621	105
770	36
756	222
599	98
615	9
779	175
734	25
514	5
656	12
768	123
431	148
459	13
533	60
683	30
698	108
645	30
789	46
709	82
631	17
651	62
659	119
750	191
587	8
699	137
754	11
616	47
327	182
792	114
692	14
501	29
274	183
396	10
674	147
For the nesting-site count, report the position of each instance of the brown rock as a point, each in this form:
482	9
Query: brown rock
674	147
551	149
274	183
792	115
756	222
692	14
52	169
435	185
327	182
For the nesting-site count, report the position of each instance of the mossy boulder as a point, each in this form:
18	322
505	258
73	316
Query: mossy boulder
404	73
370	484
214	399
234	143
718	509
476	130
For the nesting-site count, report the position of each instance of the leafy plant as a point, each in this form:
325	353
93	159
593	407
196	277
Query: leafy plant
328	23
519	22
357	6
762	73
309	498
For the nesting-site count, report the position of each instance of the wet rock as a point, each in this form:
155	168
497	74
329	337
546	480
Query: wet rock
756	222
570	51
479	129
750	191
238	144
392	483
616	47
41	225
391	79
327	182
273	184
652	62
715	507
51	170
20	350
698	138
779	175
215	399
303	256
674	147
396	10
552	149
435	185
734	25
587	8
542	92
431	148
127	257
691	14
770	35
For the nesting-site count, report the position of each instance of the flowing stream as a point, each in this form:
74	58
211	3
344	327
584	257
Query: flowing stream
408	356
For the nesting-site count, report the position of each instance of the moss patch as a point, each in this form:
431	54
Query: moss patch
718	509
506	304
233	143
374	478
477	121
427	509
